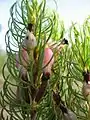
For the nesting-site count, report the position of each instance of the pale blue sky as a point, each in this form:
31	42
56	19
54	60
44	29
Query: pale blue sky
4	16
69	10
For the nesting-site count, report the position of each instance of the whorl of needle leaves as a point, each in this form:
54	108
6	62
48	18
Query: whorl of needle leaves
67	69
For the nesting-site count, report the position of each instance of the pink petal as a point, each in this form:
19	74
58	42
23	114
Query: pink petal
48	58
22	59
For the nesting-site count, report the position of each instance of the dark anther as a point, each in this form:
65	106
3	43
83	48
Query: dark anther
30	27
45	76
26	37
64	41
86	76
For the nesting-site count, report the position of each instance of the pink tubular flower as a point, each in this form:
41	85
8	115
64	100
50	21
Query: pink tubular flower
48	61
22	59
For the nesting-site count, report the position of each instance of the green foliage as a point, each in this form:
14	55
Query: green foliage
68	66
